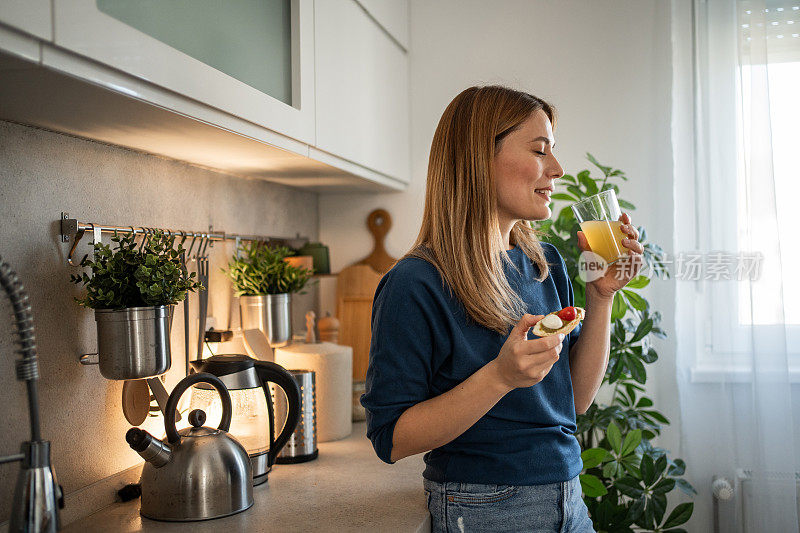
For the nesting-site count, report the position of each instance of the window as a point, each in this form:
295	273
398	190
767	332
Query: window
745	71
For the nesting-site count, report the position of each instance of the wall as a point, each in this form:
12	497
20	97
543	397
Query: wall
607	68
44	173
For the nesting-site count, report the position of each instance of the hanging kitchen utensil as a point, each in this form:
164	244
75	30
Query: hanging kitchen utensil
355	288
135	401
202	277
185	256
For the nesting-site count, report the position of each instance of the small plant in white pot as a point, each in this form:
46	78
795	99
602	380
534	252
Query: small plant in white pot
133	290
265	282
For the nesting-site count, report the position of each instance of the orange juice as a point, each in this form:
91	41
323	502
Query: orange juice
605	238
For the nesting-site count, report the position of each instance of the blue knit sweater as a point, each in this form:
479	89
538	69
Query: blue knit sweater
424	344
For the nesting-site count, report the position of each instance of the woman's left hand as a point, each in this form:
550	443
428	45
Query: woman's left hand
618	274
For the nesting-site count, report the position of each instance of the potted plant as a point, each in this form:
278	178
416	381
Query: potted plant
133	293
626	479
264	283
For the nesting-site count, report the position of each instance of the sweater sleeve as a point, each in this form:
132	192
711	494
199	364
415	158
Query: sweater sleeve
400	356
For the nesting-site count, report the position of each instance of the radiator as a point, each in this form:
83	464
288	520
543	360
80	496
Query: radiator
733	499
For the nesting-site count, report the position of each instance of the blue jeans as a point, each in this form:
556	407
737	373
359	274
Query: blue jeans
469	507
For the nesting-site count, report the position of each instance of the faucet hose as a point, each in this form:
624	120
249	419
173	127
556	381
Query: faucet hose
27	366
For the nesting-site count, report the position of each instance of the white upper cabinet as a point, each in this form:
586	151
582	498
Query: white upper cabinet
310	93
362	98
30	16
253	60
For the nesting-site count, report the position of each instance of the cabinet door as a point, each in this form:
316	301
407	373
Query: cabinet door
31	16
251	59
362	90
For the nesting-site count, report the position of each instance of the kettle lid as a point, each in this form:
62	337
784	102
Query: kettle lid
235	370
197	418
223	364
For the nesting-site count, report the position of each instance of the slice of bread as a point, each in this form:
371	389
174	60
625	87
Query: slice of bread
541	331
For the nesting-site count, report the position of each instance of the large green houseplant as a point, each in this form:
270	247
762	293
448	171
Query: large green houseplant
626	479
264	282
133	289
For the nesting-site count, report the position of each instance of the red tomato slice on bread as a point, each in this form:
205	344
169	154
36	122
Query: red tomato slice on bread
567	314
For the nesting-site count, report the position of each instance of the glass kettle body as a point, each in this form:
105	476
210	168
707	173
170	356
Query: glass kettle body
253	422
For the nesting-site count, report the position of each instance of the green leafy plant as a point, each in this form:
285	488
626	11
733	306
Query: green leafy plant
129	277
625	478
261	269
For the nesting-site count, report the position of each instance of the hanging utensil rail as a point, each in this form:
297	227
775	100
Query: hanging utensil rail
73	230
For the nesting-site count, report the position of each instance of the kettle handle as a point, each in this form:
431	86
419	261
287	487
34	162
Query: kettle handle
269	371
181	387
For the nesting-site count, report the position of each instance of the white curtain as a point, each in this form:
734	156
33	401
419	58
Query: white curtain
737	319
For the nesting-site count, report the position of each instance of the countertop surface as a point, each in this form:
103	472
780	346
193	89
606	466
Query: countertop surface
347	488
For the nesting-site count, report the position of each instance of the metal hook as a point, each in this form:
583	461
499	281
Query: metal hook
144	235
203	249
191	247
199	247
75	241
97	234
148	235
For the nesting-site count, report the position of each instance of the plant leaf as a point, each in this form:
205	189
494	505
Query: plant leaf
642	330
618	307
592	486
664	486
632	440
659	506
614	437
677	468
636	301
629	486
639	282
679	515
563	196
685	487
593	457
636	367
589	183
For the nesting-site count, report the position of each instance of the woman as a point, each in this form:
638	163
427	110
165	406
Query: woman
494	411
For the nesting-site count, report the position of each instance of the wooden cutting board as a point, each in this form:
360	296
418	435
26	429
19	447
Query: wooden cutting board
355	288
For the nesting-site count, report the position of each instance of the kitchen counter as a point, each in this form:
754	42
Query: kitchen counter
347	488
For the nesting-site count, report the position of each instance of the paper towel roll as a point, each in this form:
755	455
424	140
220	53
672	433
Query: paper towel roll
333	364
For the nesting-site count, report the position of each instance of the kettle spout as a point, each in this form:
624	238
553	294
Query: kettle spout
150	448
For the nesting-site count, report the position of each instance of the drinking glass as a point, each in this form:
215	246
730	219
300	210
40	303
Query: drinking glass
598	216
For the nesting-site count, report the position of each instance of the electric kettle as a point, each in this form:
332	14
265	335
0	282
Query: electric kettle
199	473
254	423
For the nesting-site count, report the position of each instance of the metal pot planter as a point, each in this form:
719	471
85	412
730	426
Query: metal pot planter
271	313
133	343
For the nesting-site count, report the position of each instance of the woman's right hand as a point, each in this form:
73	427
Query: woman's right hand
523	362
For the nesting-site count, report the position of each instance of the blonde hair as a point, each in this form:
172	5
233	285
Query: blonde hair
460	227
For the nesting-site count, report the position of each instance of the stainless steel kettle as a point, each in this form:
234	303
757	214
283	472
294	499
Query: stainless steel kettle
199	473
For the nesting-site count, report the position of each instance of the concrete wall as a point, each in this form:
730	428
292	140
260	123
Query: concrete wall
607	68
44	173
